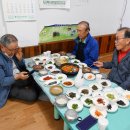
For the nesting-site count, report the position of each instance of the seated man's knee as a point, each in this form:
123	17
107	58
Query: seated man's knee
32	96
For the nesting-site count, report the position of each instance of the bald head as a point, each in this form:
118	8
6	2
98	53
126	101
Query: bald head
83	30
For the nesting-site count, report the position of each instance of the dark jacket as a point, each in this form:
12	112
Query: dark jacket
120	72
91	50
6	76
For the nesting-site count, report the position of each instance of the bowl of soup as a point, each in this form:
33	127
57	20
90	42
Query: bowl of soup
69	68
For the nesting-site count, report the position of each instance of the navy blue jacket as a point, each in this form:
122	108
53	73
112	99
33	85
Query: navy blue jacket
6	76
120	72
91	50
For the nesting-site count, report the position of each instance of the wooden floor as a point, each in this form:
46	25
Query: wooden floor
16	115
106	57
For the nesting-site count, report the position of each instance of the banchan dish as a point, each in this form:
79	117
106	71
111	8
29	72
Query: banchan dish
69	69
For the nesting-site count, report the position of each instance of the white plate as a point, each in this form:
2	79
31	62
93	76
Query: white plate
122	99
69	81
41	58
51	82
100	101
43	72
50	66
97	93
119	90
46	78
31	64
89	98
111	96
64	57
73	102
38	58
74	93
51	61
126	94
112	107
105	83
55	55
95	71
95	87
108	89
83	91
55	71
75	61
89	76
93	110
72	56
82	64
45	59
61	77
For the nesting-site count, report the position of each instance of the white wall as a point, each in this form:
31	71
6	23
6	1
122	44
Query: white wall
2	24
126	18
103	16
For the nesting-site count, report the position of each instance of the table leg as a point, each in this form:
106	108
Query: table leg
66	126
56	113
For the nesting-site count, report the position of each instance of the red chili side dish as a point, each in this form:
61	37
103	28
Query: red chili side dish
47	78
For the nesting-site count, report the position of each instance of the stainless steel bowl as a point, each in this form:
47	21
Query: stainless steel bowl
71	115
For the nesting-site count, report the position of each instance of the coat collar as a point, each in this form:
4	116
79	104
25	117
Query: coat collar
86	39
116	58
5	57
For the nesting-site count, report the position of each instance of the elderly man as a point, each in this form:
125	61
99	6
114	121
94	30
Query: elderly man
120	64
86	47
14	79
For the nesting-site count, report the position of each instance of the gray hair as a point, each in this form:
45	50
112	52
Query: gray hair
8	39
86	24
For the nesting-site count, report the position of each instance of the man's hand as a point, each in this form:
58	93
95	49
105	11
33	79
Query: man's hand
19	54
62	53
22	75
98	64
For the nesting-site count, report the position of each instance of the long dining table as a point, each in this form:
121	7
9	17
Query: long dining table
118	120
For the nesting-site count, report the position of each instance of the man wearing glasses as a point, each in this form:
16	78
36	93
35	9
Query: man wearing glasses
14	79
120	64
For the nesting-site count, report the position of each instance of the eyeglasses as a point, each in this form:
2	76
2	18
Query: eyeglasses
12	50
117	40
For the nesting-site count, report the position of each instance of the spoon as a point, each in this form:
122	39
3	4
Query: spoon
91	65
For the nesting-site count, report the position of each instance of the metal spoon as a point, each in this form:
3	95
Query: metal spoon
91	65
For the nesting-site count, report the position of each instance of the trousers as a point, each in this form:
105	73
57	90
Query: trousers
26	90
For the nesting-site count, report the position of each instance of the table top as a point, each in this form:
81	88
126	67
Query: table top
118	120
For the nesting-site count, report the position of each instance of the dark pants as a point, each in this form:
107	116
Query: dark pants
26	90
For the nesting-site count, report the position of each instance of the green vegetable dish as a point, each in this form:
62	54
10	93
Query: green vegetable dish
60	77
110	96
49	62
76	61
75	106
88	101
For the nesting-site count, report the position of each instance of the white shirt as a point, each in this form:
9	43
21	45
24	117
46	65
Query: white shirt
15	69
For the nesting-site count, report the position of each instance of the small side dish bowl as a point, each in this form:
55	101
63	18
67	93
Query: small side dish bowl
56	90
61	100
